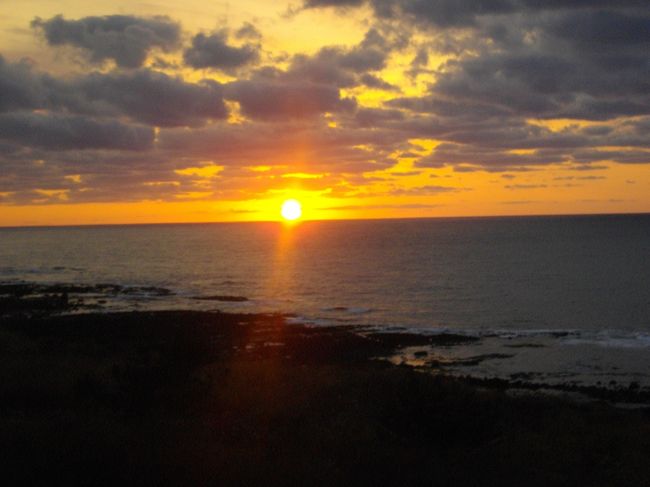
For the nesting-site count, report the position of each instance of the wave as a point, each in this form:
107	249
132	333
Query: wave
94	297
568	337
346	309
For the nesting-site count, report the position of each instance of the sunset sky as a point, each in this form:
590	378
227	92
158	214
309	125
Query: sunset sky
165	111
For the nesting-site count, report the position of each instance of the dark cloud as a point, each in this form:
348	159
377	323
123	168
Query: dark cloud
213	51
510	67
125	39
406	206
268	99
67	132
373	117
545	60
581	178
608	29
525	186
155	98
286	143
421	58
332	3
543	86
619	156
427	190
466	13
91	175
587	167
324	67
143	95
345	67
19	88
372	81
456	154
549	59
557	65
248	31
442	13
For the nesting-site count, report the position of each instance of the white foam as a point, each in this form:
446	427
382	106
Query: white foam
302	320
612	339
569	337
359	311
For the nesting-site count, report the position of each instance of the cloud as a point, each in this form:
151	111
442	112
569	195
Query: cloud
441	13
68	132
143	95
19	88
629	156
608	28
332	3
213	51
290	145
544	61
426	190
455	154
549	59
125	39
268	99
553	62
583	178
406	206
465	13
345	66
544	85
155	98
485	82
517	202
373	117
248	31
525	186
372	81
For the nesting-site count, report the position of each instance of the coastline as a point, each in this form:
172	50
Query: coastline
500	359
191	397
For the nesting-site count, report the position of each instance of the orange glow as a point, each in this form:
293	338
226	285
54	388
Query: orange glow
276	167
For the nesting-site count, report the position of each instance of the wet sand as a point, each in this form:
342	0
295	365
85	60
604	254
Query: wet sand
196	398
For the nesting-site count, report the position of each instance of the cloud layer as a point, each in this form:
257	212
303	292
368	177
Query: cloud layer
507	85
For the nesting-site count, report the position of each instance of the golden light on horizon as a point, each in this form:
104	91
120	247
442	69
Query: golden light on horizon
291	210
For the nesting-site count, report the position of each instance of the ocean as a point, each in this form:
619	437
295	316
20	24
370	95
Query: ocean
552	299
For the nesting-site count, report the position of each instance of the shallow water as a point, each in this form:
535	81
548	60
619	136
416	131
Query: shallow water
503	279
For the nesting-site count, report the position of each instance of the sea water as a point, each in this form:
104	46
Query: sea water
562	297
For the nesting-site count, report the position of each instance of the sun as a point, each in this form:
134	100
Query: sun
291	210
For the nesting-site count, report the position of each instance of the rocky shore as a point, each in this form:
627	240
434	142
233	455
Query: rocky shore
209	398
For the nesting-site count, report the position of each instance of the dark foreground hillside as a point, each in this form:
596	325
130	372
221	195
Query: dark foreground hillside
186	398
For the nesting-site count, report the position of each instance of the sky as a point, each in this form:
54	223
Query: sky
195	111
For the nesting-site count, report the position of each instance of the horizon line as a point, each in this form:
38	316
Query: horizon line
281	222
